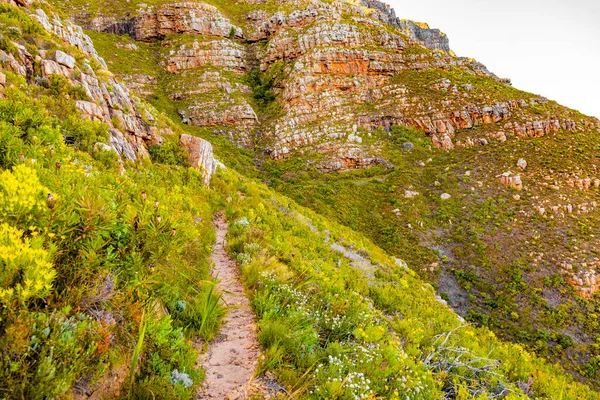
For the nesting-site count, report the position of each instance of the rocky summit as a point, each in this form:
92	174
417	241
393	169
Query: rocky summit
390	220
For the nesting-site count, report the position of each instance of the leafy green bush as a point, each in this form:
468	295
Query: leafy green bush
167	351
84	134
169	153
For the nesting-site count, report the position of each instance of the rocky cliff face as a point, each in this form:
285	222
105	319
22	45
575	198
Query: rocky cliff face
153	23
418	31
302	77
107	100
340	72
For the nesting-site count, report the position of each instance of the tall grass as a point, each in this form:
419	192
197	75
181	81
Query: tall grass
209	312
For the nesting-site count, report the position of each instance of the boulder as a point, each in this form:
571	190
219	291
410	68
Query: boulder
50	68
514	182
64	59
408	146
200	156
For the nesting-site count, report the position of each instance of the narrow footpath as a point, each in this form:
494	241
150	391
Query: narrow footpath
232	357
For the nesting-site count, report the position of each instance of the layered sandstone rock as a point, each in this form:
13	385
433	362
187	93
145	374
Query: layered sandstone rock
110	101
200	156
205	95
341	75
418	31
220	53
215	101
219	114
423	34
143	85
340	70
152	23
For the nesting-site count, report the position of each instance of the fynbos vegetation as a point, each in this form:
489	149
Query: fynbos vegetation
401	223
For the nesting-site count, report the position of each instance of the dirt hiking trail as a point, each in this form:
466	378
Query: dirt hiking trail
232	357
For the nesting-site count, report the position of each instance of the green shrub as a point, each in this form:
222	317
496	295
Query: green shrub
169	153
84	134
44	353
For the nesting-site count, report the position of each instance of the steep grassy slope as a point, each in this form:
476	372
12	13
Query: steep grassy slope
104	284
339	318
91	257
481	248
121	251
502	261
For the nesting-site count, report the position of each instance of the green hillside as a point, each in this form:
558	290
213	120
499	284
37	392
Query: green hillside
105	284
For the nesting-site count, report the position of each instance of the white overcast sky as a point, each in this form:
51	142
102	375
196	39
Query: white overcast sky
548	47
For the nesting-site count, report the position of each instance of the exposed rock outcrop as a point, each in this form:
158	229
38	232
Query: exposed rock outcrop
156	22
586	281
197	54
144	85
333	71
109	100
423	34
350	157
200	156
217	102
418	31
510	181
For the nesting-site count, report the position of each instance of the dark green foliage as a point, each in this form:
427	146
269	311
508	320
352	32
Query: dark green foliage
262	87
169	153
59	86
84	134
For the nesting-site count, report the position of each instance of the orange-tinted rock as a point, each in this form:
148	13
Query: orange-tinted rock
220	53
514	182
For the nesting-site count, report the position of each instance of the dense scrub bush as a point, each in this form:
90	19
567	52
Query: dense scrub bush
330	330
169	153
86	250
23	199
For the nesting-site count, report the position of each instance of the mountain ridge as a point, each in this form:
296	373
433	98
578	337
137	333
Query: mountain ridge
301	125
509	251
333	87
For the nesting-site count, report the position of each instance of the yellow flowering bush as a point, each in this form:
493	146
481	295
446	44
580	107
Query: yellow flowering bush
22	196
25	268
